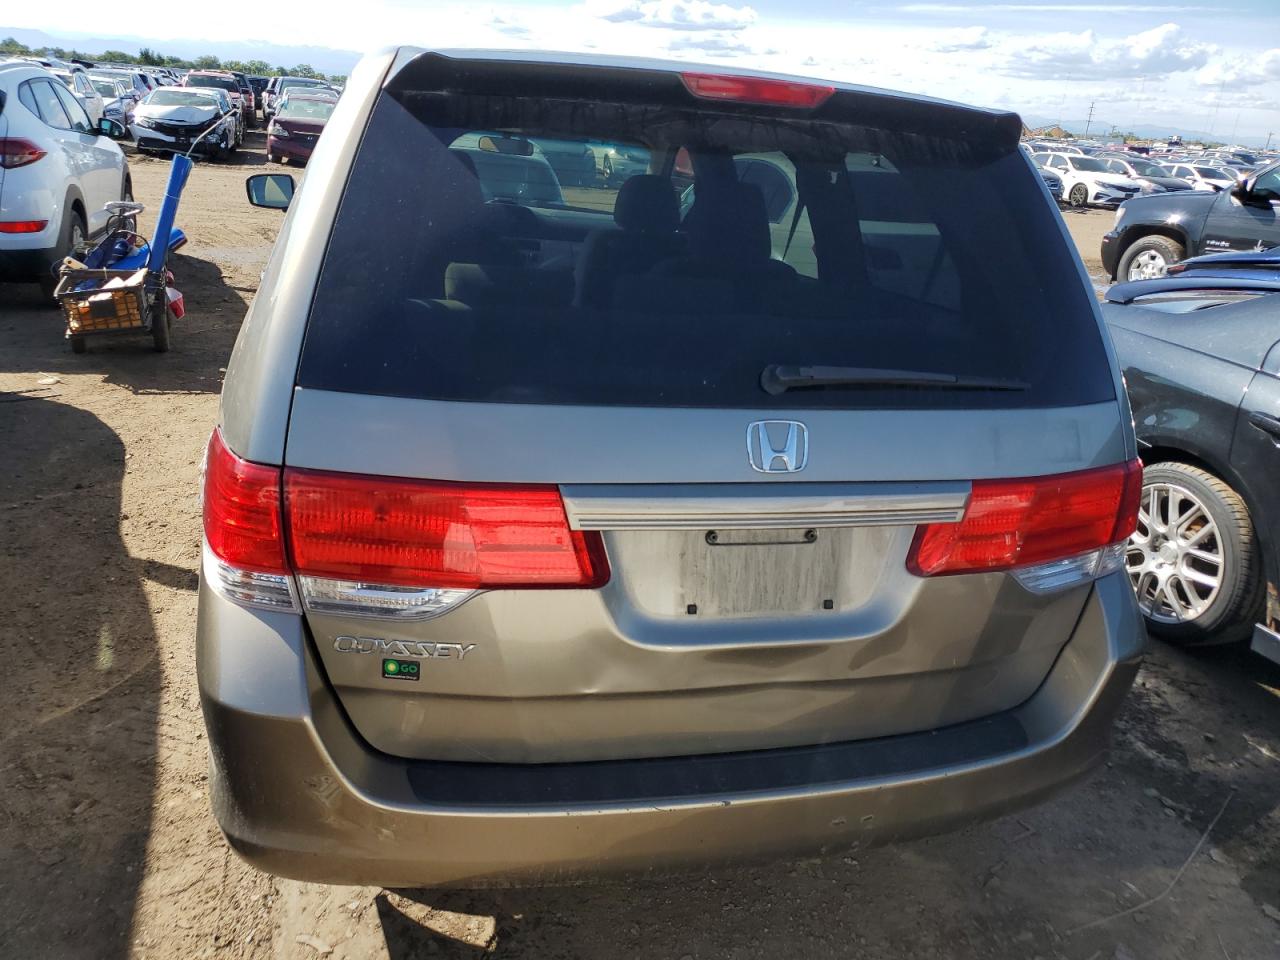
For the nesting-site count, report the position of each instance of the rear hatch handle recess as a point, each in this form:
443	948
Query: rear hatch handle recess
778	378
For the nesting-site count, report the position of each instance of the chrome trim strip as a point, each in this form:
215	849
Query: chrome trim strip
749	507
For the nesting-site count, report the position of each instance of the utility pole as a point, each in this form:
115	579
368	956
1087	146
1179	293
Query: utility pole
1089	121
1268	146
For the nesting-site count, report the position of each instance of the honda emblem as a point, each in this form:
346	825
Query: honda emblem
777	446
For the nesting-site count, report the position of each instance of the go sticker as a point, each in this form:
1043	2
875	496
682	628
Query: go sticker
401	669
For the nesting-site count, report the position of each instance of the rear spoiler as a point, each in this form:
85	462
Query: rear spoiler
642	83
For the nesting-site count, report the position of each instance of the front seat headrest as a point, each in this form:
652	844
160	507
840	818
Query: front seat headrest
647	203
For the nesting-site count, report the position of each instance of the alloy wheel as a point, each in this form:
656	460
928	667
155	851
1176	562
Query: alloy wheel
1175	557
1148	265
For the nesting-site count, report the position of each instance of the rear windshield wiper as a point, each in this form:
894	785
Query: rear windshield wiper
778	378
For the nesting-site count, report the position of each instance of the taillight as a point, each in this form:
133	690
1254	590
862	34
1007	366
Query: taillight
242	515
18	152
382	547
1054	530
243	530
447	535
22	226
762	90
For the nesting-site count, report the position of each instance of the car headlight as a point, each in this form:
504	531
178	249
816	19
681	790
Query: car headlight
145	122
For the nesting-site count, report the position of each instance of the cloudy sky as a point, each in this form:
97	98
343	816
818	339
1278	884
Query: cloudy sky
1200	64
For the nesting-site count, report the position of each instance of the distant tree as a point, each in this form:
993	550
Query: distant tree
237	65
118	55
150	57
257	67
337	78
11	45
174	62
305	70
206	62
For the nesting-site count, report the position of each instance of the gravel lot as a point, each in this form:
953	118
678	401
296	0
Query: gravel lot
107	847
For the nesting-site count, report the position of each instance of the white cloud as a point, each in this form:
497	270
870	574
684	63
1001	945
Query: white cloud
511	28
673	14
965	38
713	45
1113	8
1237	72
1158	52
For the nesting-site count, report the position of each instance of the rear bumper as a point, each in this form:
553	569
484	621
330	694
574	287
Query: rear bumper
298	794
21	266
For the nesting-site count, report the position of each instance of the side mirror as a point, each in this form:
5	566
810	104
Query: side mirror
271	190
111	128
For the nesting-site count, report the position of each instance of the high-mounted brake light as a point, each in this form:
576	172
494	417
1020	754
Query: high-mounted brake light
763	90
1066	527
18	152
444	535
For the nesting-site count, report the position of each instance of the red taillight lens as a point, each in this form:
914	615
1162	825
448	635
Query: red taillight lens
18	152
422	533
242	516
22	226
782	93
1016	523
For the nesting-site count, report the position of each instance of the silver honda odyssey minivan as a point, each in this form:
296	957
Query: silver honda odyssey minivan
764	495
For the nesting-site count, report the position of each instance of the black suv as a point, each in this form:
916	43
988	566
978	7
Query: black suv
1153	232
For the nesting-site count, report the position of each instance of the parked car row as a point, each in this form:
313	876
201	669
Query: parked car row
1084	168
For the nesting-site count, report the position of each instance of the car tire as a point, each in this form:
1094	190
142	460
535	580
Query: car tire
74	231
1078	196
1225	600
1149	257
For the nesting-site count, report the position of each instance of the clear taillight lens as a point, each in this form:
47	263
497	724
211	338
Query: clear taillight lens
1052	531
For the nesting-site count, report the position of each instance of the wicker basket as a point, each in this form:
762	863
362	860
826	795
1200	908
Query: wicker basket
95	310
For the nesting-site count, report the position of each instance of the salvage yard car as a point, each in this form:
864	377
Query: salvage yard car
545	538
1200	350
1153	232
56	172
1088	180
176	118
296	126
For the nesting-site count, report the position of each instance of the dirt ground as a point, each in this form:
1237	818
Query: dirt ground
108	849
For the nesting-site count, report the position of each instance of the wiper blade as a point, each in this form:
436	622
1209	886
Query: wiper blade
778	378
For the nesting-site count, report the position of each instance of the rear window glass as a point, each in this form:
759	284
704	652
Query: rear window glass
221	83
493	248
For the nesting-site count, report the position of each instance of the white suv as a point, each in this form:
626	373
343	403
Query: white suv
56	171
